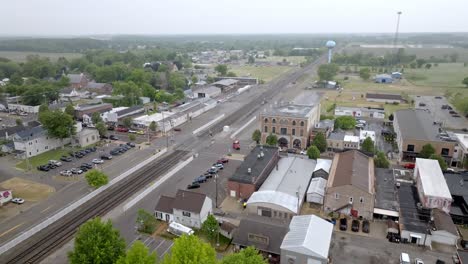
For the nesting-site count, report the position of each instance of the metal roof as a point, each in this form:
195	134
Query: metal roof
432	179
416	124
317	185
324	164
256	165
226	82
287	185
309	235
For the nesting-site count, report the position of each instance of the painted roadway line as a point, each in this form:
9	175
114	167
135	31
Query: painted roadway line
35	229
46	209
170	246
243	127
11	229
208	124
156	184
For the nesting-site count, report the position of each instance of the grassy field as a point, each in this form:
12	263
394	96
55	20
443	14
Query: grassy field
43	158
266	73
20	56
444	75
425	53
26	189
293	59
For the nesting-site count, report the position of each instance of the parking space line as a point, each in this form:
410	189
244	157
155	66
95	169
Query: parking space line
170	246
162	242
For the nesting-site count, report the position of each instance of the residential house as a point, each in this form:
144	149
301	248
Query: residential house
253	171
323	126
31	109
86	136
90	109
383	78
99	88
186	208
350	186
415	128
308	240
432	187
78	81
384	98
386	204
35	141
444	230
226	229
265	234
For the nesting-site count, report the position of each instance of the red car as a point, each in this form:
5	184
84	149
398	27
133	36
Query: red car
223	160
409	166
122	129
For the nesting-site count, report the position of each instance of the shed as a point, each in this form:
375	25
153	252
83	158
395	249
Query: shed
444	230
316	190
383	78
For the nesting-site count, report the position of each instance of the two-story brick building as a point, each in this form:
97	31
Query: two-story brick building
415	128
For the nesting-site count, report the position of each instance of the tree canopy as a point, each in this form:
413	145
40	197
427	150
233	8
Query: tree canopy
96	118
58	124
221	69
190	250
426	151
327	72
69	109
102	129
380	160
465	82
441	160
210	227
97	242
247	255
256	135
138	254
345	122
368	145
313	152
153	126
364	73
320	142
96	178
272	140
146	222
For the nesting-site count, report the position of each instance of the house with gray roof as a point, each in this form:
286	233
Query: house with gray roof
35	141
78	81
187	208
415	128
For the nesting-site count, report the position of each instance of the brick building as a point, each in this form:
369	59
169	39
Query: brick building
253	172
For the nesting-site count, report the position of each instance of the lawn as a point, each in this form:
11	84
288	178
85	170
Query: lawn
43	158
293	59
444	75
26	189
20	56
425	53
265	73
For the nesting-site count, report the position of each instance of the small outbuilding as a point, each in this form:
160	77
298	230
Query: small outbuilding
316	190
383	78
444	230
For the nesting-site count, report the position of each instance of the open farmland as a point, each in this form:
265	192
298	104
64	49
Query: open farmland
444	75
265	73
20	56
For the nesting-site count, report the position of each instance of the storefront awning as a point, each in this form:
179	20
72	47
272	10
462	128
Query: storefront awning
386	212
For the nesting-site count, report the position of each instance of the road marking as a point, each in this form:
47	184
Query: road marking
11	229
131	243
243	127
207	124
170	246
162	242
46	209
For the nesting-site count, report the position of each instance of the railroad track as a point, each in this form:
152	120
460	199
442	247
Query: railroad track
46	241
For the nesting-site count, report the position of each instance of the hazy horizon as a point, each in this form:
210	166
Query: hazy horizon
242	17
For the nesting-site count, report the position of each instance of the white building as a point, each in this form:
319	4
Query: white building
283	192
186	208
351	142
24	108
316	190
35	141
308	240
363	134
433	191
462	148
207	92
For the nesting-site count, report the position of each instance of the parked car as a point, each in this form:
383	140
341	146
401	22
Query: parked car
125	146
132	131
66	173
66	159
199	179
208	175
219	166
115	152
404	258
43	168
17	200
409	166
422	104
212	170
55	163
51	166
193	186
106	157
97	161
93	149
355	225
122	129
112	137
418	261
76	171
223	160
365	226
87	165
83	168
140	132
343	224
177	129
131	144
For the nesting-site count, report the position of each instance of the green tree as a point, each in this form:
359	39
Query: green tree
58	124
428	66
221	69
272	140
465	82
138	254
176	81
139	76
190	250
194	79
380	160
426	151
101	128
69	109
442	162
43	109
368	145
327	72
251	60
364	73
420	62
146	222
19	122
97	242
247	255
179	94
210	227
231	74
96	117
320	142
96	178
256	136
16	79
131	137
313	152
130	92
153	126
345	122
127	122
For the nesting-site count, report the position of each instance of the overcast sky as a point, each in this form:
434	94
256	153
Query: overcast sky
83	17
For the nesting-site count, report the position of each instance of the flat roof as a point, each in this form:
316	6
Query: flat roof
363	109
308	235
92	106
257	165
324	164
290	110
411	218
337	135
307	98
457	183
226	82
385	192
432	178
417	124
287	182
462	139
208	90
349	138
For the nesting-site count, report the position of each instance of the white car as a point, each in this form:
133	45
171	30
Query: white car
303	152
97	161
132	131
55	162
66	173
418	261
17	200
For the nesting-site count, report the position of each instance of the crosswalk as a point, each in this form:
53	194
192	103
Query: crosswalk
155	244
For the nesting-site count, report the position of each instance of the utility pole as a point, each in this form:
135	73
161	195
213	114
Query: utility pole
164	130
216	187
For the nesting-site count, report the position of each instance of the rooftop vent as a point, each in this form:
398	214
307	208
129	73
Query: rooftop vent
249	170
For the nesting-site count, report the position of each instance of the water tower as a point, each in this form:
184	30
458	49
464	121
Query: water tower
330	45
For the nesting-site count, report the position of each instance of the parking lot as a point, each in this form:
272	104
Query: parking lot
434	105
378	126
155	244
